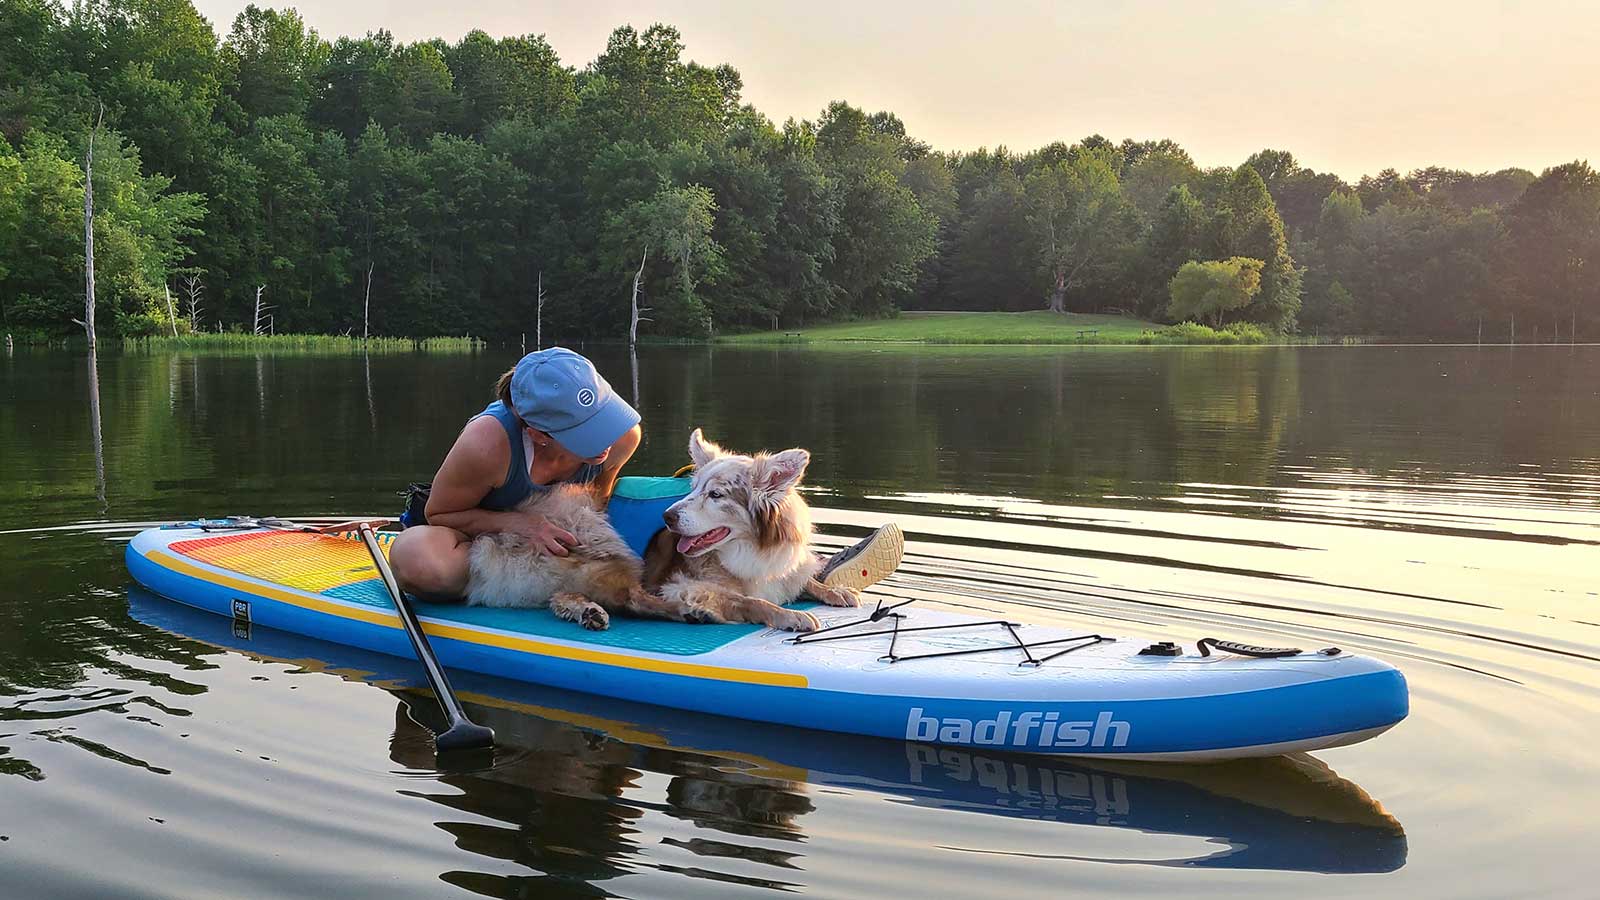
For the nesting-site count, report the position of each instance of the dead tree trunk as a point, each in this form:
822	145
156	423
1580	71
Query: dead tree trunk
633	325
366	303
88	236
256	323
538	314
193	287
172	315
633	363
95	431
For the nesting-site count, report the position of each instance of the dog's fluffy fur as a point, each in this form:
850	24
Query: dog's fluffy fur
737	547
598	576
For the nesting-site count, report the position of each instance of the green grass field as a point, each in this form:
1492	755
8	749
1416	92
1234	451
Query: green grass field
1039	327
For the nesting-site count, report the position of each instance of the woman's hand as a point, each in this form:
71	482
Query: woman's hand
542	533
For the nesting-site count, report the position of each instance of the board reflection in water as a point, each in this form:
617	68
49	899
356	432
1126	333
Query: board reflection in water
741	778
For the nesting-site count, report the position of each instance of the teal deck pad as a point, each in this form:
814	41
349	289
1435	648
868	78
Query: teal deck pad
641	487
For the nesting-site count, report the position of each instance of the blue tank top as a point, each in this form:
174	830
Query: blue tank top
518	486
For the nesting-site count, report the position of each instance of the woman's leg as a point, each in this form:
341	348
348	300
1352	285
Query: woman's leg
868	562
430	561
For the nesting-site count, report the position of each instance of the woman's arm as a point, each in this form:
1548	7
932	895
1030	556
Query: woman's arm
621	452
476	465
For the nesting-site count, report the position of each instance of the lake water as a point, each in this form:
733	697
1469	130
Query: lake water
1433	506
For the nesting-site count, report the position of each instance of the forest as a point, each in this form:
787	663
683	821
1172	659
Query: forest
269	178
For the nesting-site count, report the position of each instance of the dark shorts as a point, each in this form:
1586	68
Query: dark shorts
415	512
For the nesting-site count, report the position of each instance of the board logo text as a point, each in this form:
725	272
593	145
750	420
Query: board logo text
1023	729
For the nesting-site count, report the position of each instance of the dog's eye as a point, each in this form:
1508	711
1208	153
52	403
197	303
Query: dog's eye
714	495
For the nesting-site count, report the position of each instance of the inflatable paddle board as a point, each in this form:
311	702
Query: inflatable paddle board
895	671
1288	813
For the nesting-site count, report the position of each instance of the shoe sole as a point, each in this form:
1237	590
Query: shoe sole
874	563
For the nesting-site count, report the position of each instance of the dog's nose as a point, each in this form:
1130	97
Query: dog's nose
671	517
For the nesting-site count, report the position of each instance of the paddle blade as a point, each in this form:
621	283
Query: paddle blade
464	736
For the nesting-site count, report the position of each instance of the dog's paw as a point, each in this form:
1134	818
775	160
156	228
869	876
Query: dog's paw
594	618
794	620
839	596
699	615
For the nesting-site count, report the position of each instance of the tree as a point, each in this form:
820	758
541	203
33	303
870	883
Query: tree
640	89
1297	192
1175	237
801	250
512	76
348	100
675	223
139	228
1337	221
430	187
275	61
885	234
193	290
992	264
1555	242
88	240
413	93
1246	223
300	180
1150	180
1210	290
1078	219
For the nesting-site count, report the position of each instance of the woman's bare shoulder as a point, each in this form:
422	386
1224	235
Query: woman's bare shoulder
481	448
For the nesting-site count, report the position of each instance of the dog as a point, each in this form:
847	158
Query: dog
735	550
599	576
737	547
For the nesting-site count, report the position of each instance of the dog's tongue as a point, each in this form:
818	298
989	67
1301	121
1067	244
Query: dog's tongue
690	543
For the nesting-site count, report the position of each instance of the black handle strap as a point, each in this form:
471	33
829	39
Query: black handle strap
1205	645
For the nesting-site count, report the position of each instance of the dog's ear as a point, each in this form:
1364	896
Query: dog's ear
702	451
776	475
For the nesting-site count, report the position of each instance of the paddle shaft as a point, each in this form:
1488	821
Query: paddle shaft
462	732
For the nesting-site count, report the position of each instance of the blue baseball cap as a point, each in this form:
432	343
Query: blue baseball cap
560	393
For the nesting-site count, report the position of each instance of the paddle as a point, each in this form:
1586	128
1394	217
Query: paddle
462	734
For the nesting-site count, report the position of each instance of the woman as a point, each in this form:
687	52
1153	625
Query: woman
556	421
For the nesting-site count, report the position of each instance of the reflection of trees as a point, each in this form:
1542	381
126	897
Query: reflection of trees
1474	410
190	433
62	632
1046	423
54	449
1229	411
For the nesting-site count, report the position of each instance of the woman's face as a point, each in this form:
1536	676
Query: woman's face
564	458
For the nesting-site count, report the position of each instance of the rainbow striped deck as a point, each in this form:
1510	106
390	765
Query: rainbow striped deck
338	568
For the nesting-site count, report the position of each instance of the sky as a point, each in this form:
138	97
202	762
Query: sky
1348	87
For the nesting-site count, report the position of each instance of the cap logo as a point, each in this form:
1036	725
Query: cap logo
586	397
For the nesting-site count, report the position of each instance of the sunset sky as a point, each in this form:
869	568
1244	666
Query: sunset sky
1348	87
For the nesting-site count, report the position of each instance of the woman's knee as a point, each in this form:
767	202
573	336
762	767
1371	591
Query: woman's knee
429	560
